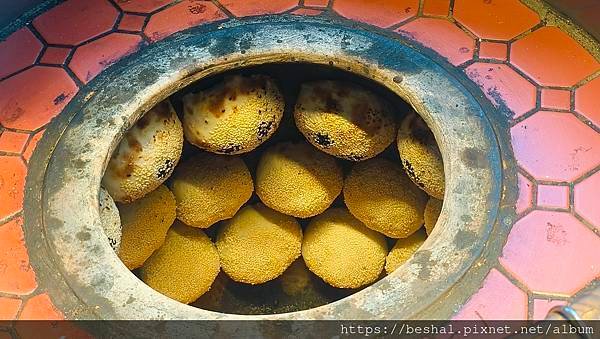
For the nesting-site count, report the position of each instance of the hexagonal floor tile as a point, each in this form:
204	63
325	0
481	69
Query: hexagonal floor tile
9	307
484	305
316	3
145	6
555	146
75	21
12	181
587	198
184	15
258	7
40	307
552	252
552	58
28	101
92	58
586	101
32	145
18	51
382	13
436	7
16	275
13	142
442	36
493	50
495	19
504	87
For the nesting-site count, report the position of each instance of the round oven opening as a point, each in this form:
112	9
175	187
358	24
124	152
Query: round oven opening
94	123
312	150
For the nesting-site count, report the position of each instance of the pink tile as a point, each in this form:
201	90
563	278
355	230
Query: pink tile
525	194
555	146
40	307
552	252
316	3
587	196
586	101
18	51
382	13
541	307
307	11
32	145
552	58
142	6
181	16
32	98
493	50
55	55
92	58
556	98
497	299
13	142
495	19
132	22
16	274
504	87
9	307
12	182
258	7
436	7
442	36
75	21
553	196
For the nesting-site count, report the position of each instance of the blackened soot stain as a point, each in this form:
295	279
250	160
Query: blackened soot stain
165	170
230	148
411	172
264	128
59	99
323	139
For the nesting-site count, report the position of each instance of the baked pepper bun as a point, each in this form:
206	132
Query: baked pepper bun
432	213
146	156
111	221
296	279
344	120
145	223
420	155
185	266
379	194
403	250
209	188
296	179
258	244
342	251
235	116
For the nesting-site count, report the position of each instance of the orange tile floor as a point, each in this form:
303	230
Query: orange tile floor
547	83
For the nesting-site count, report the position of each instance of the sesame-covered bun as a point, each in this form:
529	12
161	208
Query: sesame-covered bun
210	188
342	250
184	267
297	179
344	120
145	223
146	156
258	244
421	156
403	250
378	193
234	116
432	213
